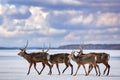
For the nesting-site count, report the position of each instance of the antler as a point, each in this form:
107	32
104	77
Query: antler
81	46
43	50
48	48
81	49
26	45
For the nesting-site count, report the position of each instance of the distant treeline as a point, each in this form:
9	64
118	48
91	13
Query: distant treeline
75	46
92	46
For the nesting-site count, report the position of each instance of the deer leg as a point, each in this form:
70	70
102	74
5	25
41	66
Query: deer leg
84	69
29	68
95	69
104	70
66	67
58	68
71	68
42	68
108	69
35	68
50	67
107	66
98	70
77	69
90	68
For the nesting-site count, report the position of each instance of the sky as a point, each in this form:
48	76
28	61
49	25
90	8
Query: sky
59	22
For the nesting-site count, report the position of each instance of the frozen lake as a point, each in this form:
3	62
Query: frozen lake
14	67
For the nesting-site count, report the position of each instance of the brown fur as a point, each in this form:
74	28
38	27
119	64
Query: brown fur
83	59
35	57
101	58
61	58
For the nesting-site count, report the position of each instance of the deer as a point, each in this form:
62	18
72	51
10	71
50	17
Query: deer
102	57
35	57
82	60
60	58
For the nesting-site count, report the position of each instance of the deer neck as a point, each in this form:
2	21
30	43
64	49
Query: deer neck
26	56
74	58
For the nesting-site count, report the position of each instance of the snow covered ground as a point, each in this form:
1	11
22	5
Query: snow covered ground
15	68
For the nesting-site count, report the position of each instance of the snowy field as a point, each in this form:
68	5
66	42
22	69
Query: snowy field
13	67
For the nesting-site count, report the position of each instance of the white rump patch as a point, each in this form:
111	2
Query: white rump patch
48	57
95	58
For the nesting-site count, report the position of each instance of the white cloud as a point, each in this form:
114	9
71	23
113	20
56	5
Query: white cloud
108	19
72	2
68	12
101	3
36	23
82	19
72	36
5	33
94	36
67	2
23	9
113	29
1	9
56	31
8	10
97	19
37	28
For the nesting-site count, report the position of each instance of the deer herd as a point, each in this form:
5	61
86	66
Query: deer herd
92	59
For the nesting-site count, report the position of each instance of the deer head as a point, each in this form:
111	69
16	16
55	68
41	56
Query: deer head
81	51
23	50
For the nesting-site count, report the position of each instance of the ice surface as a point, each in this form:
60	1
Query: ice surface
16	69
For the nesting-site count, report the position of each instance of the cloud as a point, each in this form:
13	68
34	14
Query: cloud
38	21
108	19
1	20
81	19
59	18
94	35
13	12
60	21
34	26
5	33
68	2
49	2
68	12
96	19
72	36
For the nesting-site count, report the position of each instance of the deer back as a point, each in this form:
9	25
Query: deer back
39	56
87	58
101	57
59	58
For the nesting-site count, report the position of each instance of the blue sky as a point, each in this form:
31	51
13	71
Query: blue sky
59	22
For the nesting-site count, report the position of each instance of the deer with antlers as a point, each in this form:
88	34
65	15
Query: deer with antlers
101	58
82	60
35	57
60	58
